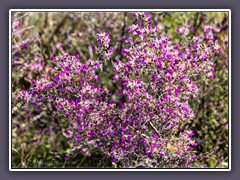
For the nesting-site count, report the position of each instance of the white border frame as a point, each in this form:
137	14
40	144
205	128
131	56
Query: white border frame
117	10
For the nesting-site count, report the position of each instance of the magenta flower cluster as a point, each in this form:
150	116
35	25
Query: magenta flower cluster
157	80
104	44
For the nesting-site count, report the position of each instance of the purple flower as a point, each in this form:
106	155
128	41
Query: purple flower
191	134
176	47
125	51
160	67
114	160
134	15
120	92
194	158
77	56
194	144
111	102
57	78
99	90
152	45
169	90
24	46
59	106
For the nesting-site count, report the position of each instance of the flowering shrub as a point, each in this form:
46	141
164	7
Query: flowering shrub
156	80
209	122
34	132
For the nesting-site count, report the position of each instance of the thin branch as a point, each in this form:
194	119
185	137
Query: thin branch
154	128
122	35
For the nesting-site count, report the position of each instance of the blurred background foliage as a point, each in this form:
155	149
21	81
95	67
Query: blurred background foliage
38	139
